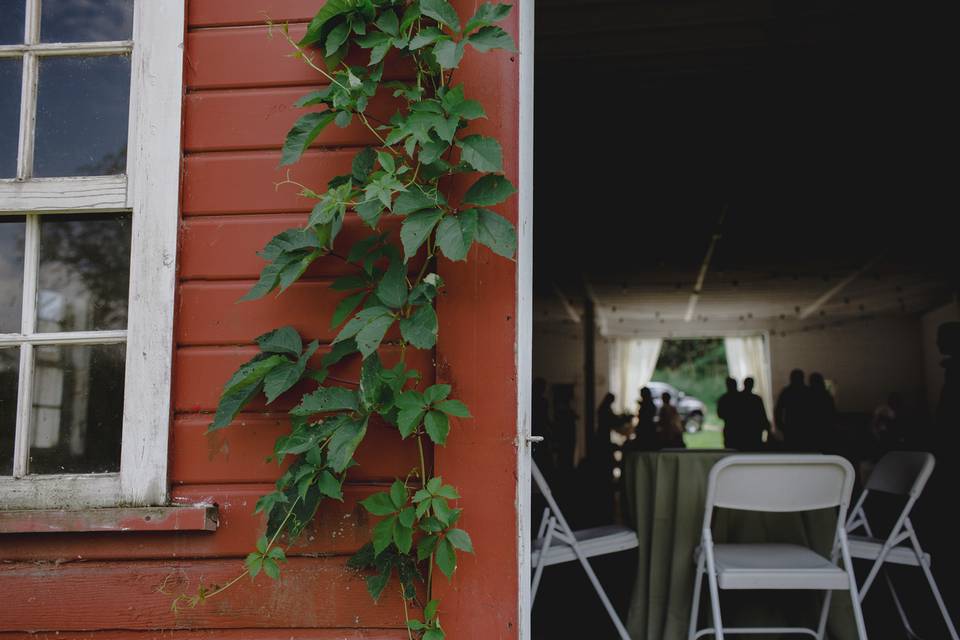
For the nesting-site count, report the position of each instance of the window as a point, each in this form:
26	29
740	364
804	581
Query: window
90	98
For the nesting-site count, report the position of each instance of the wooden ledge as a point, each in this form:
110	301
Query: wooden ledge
199	517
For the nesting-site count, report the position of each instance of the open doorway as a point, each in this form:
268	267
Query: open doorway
727	190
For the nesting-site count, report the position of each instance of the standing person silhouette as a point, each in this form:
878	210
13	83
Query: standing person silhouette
668	424
541	426
730	410
791	413
646	431
822	414
755	420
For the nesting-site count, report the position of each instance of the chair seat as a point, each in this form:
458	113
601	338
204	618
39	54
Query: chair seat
867	548
775	566
597	541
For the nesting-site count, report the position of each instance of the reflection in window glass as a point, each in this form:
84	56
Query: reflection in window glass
77	409
82	104
84	272
9	115
9	365
86	20
11	26
11	272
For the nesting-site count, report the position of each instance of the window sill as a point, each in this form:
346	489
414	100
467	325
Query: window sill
199	517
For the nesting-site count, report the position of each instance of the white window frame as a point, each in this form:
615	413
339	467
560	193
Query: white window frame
150	193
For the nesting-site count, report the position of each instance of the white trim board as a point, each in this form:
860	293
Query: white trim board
149	192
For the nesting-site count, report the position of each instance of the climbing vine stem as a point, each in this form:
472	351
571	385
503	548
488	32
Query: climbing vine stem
421	136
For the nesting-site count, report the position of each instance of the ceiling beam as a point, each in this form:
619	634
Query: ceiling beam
835	289
597	308
704	268
565	302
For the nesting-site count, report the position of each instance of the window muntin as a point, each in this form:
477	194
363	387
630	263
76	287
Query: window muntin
88	226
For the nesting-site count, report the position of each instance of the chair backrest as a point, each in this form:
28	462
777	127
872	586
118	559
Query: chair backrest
902	473
541	483
779	483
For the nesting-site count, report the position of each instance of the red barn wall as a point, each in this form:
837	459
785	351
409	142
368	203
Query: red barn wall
240	84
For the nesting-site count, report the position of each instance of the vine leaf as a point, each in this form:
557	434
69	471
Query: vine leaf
327	399
416	229
344	442
282	377
284	340
379	504
420	329
446	557
412	408
415	199
488	38
482	153
460	539
331	9
392	290
489	190
305	131
242	387
487	14
363	164
345	307
437	426
496	232
441	11
449	53
426	36
383	534
455	234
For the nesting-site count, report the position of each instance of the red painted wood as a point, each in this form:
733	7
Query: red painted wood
238	453
476	354
247	182
209	13
210	313
200	373
313	592
260	118
242	57
340	528
217	634
115	519
225	247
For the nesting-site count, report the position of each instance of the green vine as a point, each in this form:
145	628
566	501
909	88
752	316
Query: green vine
421	146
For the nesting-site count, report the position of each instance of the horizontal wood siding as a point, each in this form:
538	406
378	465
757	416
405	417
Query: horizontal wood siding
240	86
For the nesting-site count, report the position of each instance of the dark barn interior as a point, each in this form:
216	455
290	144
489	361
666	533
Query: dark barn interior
713	168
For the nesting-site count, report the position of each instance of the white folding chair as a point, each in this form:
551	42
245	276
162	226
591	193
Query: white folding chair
904	474
557	543
777	483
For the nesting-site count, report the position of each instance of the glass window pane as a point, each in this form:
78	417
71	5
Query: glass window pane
11	272
84	272
82	105
9	115
11	26
9	366
77	416
86	20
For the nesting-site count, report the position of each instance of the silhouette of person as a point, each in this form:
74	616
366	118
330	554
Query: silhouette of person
948	407
669	426
791	413
564	426
754	417
540	426
822	415
730	410
646	431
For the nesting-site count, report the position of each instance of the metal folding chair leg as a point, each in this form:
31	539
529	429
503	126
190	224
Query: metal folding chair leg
695	606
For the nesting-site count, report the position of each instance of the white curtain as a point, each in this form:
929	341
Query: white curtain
747	358
632	362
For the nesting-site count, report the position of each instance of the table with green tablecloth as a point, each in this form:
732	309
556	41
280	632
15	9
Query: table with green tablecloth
664	494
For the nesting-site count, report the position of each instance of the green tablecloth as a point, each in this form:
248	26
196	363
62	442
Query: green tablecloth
664	495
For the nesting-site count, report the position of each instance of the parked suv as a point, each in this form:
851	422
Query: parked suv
691	410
